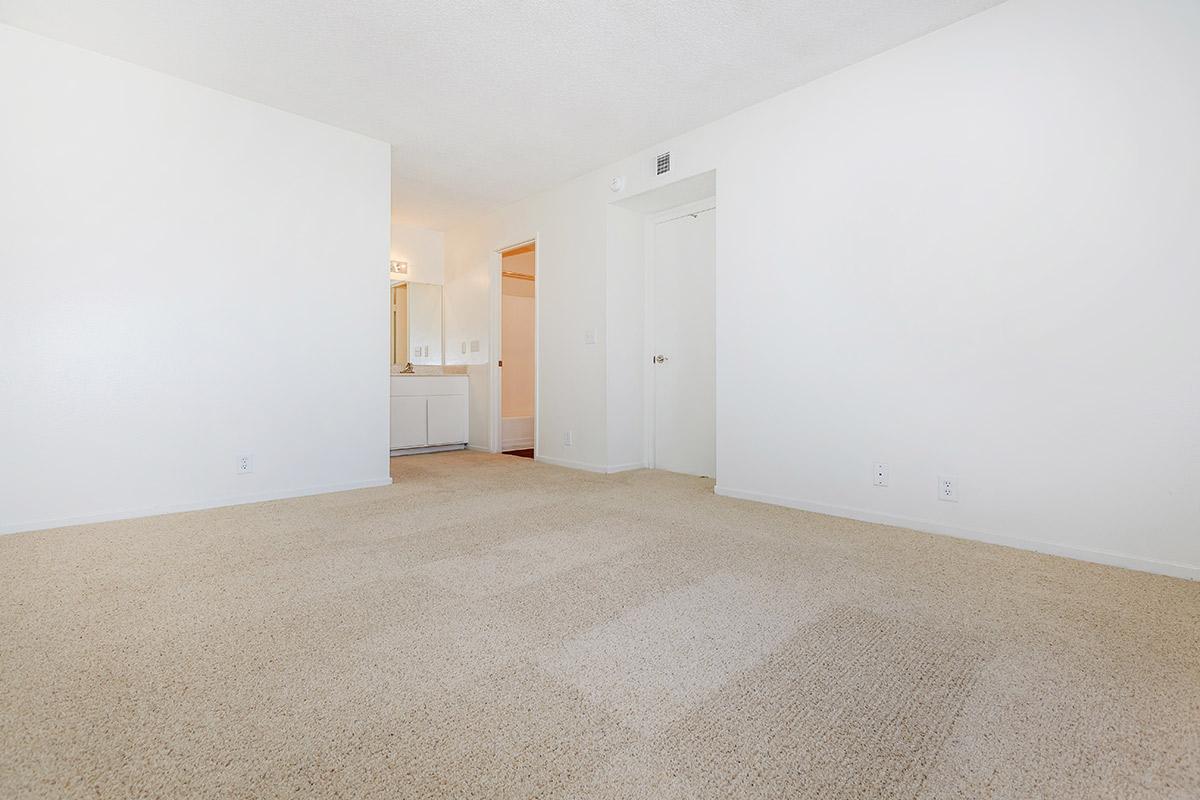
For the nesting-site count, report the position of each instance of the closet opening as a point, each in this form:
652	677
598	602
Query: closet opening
518	350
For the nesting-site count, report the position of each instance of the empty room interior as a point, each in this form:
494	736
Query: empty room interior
658	401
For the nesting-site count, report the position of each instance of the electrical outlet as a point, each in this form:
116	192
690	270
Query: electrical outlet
474	345
947	489
245	465
569	439
881	474
589	336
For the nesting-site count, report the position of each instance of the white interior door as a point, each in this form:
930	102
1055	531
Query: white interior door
684	344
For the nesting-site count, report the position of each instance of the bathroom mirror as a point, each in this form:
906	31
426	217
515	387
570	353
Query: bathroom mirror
416	324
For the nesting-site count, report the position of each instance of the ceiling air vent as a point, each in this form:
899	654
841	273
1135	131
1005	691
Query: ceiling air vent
663	164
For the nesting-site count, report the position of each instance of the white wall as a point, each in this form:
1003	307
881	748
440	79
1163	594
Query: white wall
571	302
625	295
185	277
423	249
977	254
425	324
467	311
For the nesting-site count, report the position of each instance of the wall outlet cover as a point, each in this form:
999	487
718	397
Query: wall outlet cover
245	465
948	488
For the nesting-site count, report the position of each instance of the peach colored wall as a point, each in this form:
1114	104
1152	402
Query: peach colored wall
517	339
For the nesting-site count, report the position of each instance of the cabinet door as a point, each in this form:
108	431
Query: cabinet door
408	422
447	419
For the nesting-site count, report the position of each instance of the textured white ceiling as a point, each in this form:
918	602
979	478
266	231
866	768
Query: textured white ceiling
485	101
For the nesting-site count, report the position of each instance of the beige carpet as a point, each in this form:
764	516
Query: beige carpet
490	627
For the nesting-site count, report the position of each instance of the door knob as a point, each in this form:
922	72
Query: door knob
659	359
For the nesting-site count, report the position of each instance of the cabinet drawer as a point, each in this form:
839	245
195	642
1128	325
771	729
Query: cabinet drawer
423	385
409	422
447	416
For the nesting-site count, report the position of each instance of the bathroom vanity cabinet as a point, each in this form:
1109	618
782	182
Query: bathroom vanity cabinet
429	412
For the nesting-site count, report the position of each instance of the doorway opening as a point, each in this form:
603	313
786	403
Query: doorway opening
681	338
518	350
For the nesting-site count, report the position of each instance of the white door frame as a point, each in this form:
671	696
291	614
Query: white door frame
649	373
495	300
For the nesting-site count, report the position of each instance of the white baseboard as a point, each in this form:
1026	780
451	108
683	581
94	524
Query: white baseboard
611	468
112	516
603	469
562	462
437	448
1096	556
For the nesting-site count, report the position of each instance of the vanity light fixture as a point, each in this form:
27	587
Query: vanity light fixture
399	267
